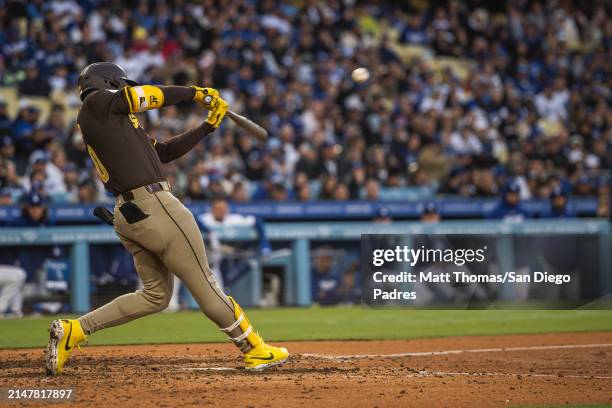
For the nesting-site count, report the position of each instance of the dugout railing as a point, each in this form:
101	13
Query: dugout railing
299	236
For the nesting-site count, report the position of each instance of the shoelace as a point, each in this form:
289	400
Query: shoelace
78	345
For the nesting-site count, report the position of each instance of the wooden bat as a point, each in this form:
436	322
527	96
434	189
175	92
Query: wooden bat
245	123
248	125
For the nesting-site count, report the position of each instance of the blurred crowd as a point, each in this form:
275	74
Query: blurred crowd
524	98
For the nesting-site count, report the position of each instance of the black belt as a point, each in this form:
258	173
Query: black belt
151	188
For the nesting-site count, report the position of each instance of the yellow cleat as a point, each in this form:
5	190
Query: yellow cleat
64	335
257	354
264	356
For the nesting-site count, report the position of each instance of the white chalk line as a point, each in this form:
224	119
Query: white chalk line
421	374
447	352
478	374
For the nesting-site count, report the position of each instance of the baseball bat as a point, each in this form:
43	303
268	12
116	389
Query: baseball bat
104	215
245	123
248	125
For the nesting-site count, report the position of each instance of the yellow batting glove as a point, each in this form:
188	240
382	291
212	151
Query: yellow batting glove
215	115
207	97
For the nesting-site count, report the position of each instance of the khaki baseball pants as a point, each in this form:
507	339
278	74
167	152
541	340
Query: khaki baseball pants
164	243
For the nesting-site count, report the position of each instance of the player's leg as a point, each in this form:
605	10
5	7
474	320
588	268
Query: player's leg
185	256
11	285
154	297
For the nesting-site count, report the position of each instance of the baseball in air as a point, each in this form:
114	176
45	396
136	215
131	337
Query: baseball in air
360	75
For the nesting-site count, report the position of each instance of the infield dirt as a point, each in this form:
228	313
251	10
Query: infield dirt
534	371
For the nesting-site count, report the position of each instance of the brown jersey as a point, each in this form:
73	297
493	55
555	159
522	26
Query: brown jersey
124	155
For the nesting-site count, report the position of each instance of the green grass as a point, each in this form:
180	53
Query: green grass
325	324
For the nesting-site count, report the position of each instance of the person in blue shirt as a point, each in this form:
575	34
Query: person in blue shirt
35	259
5	120
23	131
558	205
326	276
509	207
34	212
430	213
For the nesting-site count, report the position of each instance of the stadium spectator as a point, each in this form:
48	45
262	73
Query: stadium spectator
53	184
522	93
87	192
349	291
509	207
383	216
5	121
430	213
342	192
71	182
6	197
23	132
372	189
357	179
34	84
303	192
240	193
558	205
328	188
34	212
9	179
327	276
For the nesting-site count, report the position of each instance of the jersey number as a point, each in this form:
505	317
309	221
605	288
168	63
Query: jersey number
102	172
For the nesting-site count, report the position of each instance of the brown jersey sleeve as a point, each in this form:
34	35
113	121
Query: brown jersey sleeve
179	145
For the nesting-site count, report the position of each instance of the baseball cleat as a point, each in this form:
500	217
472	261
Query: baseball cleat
257	354
64	335
264	356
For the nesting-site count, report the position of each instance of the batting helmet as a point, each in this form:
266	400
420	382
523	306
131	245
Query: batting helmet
102	75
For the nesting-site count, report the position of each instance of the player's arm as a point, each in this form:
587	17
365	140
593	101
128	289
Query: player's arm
179	145
135	99
140	98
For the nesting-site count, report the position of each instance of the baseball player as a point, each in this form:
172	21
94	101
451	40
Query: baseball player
12	279
153	225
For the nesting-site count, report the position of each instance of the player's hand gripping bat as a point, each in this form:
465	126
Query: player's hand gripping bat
245	123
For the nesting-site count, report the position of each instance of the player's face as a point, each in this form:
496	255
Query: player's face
559	202
512	198
323	263
430	218
219	210
36	212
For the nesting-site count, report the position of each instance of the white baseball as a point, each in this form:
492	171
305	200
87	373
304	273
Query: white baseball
360	75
